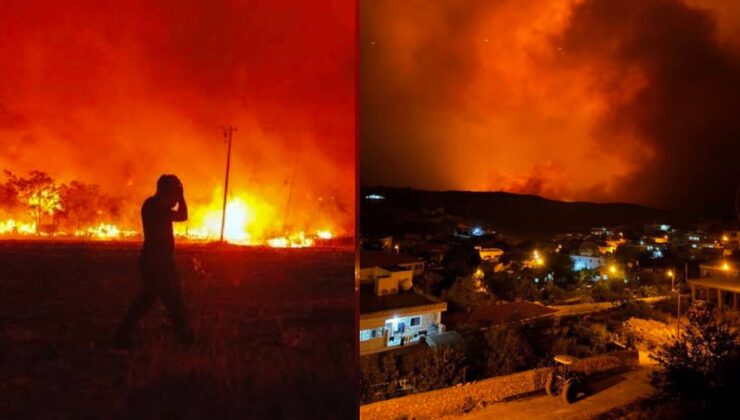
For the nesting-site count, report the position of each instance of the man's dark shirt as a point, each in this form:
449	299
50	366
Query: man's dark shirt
157	219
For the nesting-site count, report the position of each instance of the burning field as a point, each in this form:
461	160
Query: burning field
268	321
37	205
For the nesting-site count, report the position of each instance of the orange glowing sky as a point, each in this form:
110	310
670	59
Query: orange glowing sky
599	100
116	93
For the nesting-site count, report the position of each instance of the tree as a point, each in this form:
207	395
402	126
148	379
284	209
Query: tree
501	285
508	350
38	192
561	267
467	292
379	377
82	203
439	368
702	367
462	261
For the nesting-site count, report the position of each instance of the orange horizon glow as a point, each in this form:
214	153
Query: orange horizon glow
114	95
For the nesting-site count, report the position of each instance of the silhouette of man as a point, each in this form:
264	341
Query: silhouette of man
158	275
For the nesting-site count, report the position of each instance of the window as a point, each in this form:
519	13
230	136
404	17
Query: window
415	321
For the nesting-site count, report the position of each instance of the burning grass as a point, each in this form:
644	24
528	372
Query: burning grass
38	205
275	328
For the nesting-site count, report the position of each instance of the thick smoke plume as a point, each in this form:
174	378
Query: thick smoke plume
117	93
603	100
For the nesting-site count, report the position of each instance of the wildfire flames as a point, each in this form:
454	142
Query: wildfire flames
54	208
249	221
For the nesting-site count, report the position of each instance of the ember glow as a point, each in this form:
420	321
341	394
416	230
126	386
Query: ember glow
114	94
250	220
598	100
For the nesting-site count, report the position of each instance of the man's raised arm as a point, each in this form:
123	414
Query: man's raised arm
181	214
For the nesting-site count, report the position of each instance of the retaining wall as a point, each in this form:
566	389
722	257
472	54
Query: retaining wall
463	398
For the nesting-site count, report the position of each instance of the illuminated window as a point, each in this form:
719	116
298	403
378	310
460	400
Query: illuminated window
415	321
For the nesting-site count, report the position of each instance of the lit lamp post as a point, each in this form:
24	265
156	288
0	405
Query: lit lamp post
672	276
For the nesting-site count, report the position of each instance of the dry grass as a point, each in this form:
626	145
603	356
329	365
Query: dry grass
275	335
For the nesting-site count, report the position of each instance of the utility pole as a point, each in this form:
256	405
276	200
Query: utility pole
228	132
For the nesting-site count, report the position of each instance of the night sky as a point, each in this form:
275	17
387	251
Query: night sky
597	100
118	92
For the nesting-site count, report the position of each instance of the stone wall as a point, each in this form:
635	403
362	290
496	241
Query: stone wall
462	398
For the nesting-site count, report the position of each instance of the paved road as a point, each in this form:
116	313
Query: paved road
614	391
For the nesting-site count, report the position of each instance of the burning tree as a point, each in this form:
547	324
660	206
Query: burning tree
77	205
85	205
38	193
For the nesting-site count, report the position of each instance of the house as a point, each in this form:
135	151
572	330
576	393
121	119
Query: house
392	312
588	257
585	262
730	239
719	282
371	261
489	253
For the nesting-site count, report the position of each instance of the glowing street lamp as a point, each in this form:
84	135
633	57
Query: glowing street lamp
725	266
672	276
538	260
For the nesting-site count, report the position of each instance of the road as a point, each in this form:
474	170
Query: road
587	308
608	393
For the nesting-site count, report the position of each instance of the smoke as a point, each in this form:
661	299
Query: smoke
116	93
603	100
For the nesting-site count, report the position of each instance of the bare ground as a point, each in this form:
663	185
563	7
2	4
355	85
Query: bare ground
608	393
275	333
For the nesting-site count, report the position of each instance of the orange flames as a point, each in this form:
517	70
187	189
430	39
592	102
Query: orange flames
250	220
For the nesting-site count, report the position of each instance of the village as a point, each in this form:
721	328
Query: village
454	302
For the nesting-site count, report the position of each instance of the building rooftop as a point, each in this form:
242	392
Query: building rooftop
488	316
383	259
370	302
729	284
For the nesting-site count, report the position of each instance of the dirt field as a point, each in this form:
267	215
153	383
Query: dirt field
275	332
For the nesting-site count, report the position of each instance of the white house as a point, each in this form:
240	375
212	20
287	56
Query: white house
584	262
392	313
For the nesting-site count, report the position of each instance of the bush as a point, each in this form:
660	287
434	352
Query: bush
702	367
508	350
435	369
379	377
642	310
552	293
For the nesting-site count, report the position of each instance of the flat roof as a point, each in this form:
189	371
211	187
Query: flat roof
370	302
729	284
383	259
491	315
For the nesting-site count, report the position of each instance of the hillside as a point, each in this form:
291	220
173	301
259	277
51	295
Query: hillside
507	211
